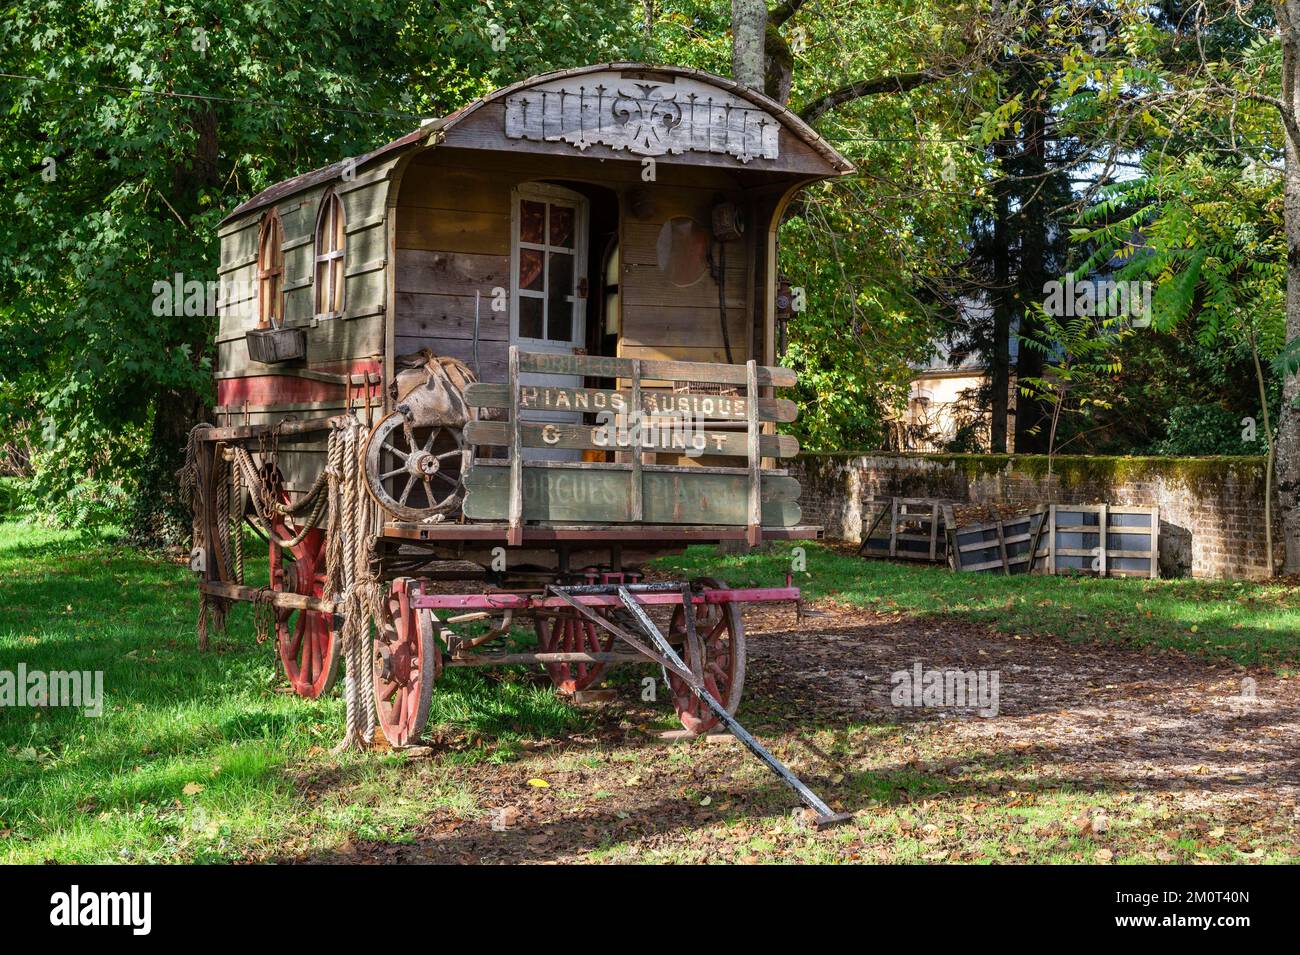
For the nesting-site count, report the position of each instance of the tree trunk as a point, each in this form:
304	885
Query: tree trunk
1288	438
748	31
1000	351
1032	413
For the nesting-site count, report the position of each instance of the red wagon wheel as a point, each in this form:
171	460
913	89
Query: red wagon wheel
406	662
308	644
717	654
567	632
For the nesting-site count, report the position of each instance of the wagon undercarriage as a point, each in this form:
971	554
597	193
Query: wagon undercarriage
353	579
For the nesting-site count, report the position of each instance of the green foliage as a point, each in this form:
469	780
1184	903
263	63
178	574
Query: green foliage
1079	352
11	495
873	253
1202	216
1208	429
142	124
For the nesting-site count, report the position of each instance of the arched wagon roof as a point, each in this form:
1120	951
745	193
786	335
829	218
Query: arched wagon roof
444	126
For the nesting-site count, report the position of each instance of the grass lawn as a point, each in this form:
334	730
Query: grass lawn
192	757
1248	623
205	757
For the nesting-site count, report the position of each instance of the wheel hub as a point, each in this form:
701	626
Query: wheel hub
422	464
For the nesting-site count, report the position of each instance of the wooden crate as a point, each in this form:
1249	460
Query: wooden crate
271	345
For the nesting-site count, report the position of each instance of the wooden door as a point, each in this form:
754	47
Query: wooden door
548	303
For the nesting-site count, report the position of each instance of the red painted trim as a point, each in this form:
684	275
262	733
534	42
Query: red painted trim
290	389
522	601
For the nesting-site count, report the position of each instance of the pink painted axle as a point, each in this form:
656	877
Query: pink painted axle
511	600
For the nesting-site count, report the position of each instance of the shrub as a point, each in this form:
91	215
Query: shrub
1208	429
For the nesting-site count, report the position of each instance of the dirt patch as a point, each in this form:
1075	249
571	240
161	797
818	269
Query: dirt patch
1094	754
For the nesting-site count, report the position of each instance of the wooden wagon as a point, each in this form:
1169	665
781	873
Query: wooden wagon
585	260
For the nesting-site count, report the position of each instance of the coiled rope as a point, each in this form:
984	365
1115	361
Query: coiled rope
349	573
352	518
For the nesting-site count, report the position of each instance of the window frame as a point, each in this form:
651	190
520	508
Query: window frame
270	275
330	213
550	195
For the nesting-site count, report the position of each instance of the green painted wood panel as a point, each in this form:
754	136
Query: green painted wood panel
592	494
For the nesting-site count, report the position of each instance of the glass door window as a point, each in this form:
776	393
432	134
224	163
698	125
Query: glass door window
548	240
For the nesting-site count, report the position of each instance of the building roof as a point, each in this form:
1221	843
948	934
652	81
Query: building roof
415	138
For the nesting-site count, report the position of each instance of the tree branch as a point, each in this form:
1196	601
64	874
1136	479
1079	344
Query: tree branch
894	83
784	11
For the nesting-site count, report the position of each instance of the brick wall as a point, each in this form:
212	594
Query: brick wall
1211	509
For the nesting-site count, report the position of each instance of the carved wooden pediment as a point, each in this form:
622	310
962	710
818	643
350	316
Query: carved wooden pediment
645	117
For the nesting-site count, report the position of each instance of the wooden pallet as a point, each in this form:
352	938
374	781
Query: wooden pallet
1103	540
906	529
1100	540
1008	546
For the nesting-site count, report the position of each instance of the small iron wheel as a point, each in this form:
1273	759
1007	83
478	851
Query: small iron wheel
306	640
407	663
717	654
567	632
416	473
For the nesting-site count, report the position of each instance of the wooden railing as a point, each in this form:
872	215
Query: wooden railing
635	418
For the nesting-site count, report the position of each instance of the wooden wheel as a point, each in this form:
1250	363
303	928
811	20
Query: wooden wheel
566	632
406	662
415	472
306	639
717	654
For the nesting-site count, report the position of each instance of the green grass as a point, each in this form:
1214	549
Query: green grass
1248	623
205	757
196	756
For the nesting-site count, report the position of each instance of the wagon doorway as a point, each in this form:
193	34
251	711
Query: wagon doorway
560	240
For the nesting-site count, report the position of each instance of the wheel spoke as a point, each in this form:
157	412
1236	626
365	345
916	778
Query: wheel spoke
407	491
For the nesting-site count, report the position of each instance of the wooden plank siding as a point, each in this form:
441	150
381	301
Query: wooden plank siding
332	344
453	222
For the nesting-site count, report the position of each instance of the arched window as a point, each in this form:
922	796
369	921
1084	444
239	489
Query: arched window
270	272
329	256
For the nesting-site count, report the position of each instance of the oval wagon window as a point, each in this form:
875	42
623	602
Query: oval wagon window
683	250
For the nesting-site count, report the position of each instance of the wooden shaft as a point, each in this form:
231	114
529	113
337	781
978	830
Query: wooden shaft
245	431
506	659
275	598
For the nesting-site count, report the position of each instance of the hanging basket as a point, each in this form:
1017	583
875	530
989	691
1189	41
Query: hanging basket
271	345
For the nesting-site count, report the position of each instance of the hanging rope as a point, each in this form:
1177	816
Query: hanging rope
349	574
267	508
339	499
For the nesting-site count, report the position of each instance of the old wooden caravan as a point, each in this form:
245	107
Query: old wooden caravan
543	325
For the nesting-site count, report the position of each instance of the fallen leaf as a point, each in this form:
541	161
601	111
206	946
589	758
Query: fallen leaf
192	789
1103	855
539	783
